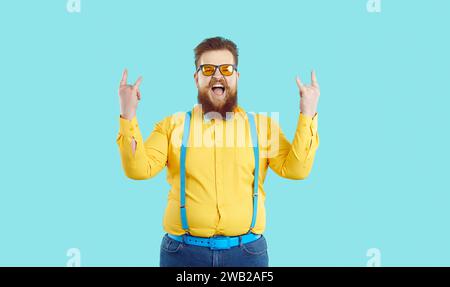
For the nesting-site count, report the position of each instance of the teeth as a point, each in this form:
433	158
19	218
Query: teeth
217	86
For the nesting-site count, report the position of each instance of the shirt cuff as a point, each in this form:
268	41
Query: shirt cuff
128	127
306	123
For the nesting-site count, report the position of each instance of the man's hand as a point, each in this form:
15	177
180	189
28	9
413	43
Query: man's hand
129	96
309	95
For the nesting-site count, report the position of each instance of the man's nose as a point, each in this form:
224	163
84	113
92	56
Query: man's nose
217	75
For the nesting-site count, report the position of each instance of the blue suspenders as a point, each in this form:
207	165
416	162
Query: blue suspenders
187	124
255	144
184	142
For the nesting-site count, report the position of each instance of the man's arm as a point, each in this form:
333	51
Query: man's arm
294	161
139	160
142	160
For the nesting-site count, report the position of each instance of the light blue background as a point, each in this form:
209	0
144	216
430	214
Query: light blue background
380	174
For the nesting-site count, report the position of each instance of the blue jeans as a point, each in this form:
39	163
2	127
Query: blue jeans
180	254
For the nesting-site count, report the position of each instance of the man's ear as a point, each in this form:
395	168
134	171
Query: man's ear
196	79
237	74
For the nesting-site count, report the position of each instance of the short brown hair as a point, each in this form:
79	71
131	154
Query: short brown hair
216	43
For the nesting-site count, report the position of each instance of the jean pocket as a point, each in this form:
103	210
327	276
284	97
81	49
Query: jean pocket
171	245
256	247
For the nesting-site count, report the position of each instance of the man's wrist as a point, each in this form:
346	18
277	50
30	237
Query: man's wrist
128	116
308	113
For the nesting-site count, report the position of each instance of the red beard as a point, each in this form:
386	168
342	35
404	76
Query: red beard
208	106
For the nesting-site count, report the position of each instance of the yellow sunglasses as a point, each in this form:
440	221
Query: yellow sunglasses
225	69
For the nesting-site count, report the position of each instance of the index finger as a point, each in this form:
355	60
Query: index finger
299	82
124	77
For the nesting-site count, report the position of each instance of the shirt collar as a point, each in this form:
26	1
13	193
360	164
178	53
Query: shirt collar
237	111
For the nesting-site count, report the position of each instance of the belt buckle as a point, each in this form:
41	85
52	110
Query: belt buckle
214	240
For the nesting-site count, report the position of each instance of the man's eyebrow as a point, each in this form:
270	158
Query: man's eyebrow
218	64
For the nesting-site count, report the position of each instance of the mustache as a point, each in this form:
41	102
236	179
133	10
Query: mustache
220	81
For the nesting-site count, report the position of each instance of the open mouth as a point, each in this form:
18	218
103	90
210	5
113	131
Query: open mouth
218	90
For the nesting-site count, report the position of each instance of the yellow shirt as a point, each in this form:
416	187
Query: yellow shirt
219	166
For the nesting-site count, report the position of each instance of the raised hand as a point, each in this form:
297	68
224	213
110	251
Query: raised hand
309	95
129	96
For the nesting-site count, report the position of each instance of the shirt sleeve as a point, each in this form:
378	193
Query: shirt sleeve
150	157
294	161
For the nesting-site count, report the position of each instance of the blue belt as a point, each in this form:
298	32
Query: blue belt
218	242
